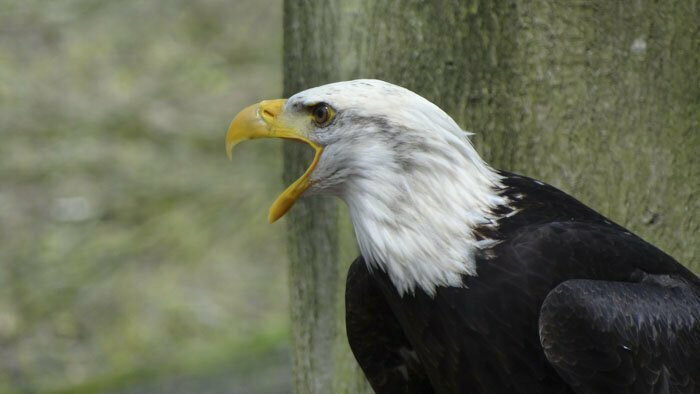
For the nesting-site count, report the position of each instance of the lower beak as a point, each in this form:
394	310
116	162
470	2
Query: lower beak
266	120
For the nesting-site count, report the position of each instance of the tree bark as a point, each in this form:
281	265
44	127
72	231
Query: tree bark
600	99
321	358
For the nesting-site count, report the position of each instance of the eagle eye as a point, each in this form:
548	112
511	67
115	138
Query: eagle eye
322	114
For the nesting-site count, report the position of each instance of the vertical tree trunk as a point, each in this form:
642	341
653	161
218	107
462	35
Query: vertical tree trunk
322	362
599	98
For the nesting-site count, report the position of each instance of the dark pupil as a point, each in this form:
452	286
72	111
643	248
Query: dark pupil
320	113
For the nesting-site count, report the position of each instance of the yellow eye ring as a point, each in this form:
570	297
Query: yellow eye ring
322	114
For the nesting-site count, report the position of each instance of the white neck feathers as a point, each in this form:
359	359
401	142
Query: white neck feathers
414	214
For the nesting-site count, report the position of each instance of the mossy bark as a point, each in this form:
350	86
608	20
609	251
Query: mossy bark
322	362
599	98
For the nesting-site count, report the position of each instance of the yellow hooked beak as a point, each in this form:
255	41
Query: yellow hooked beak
266	120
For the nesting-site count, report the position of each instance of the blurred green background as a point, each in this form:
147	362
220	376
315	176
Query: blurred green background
134	258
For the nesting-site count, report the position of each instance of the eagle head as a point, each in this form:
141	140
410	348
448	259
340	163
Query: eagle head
414	185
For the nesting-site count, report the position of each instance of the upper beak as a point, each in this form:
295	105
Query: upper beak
266	120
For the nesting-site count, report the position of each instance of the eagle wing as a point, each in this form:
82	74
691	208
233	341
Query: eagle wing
614	313
623	337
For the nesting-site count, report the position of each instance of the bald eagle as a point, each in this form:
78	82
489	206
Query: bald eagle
475	280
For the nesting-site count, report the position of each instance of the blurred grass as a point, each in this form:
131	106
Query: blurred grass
131	251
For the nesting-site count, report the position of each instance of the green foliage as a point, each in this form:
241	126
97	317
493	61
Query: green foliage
129	247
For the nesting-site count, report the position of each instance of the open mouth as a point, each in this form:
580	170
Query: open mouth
266	120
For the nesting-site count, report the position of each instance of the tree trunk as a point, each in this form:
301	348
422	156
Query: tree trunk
599	98
321	358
